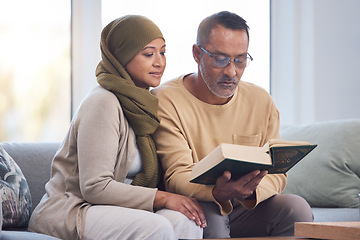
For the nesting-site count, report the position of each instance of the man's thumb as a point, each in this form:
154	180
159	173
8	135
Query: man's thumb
227	175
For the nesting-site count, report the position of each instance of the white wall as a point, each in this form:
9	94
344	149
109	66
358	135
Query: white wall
179	21
90	16
315	59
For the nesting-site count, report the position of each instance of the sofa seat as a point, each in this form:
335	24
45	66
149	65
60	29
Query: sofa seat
336	214
24	235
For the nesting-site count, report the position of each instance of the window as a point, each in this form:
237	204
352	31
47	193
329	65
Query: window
179	20
37	94
34	70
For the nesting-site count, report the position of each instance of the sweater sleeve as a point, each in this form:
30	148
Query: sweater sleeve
99	132
177	158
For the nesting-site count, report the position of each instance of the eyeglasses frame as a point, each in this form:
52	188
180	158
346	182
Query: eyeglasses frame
230	58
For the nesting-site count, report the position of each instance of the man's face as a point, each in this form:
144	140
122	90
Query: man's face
222	82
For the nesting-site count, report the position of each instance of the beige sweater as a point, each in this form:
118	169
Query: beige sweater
90	168
190	129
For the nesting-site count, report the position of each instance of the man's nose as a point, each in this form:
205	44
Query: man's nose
230	69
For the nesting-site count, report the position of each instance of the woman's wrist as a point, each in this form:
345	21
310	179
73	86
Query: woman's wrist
160	199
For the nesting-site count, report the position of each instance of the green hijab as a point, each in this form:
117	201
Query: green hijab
121	41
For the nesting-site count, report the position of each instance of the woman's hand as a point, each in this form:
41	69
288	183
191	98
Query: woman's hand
186	205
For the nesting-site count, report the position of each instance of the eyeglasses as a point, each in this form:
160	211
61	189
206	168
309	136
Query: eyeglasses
221	61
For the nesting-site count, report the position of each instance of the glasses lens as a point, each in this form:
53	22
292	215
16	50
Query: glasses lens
220	60
241	62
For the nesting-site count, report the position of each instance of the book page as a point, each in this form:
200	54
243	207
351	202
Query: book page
281	143
246	153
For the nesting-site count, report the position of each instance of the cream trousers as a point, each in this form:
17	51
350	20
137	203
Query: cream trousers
111	222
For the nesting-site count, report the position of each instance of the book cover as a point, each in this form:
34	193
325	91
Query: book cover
240	160
328	230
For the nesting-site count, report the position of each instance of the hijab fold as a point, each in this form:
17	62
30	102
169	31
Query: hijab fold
120	41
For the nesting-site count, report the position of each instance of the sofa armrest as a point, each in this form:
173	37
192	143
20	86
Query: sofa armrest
34	160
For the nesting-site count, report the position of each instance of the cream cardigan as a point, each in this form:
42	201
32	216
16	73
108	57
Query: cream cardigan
90	168
190	129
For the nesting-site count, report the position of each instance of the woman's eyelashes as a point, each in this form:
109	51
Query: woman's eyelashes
150	54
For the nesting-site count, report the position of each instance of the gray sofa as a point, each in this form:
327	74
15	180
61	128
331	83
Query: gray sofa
328	178
34	160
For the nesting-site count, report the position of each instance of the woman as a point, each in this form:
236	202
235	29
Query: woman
104	176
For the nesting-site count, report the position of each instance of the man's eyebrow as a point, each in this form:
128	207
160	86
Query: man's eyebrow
242	55
227	55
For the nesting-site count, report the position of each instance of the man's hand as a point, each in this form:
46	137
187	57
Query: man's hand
241	189
186	205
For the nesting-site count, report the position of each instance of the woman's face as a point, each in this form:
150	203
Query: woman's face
147	67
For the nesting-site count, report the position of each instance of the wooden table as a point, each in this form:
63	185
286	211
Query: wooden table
317	230
263	238
328	230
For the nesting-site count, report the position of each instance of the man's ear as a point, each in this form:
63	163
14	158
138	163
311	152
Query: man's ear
196	53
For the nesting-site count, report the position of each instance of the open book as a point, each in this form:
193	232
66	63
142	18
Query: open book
277	156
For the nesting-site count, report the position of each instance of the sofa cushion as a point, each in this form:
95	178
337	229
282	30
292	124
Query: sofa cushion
14	192
330	175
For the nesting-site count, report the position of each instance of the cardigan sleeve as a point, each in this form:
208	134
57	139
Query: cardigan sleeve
100	137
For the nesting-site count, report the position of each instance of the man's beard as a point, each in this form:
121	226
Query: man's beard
214	87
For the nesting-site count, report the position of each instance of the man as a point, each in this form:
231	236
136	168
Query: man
201	110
